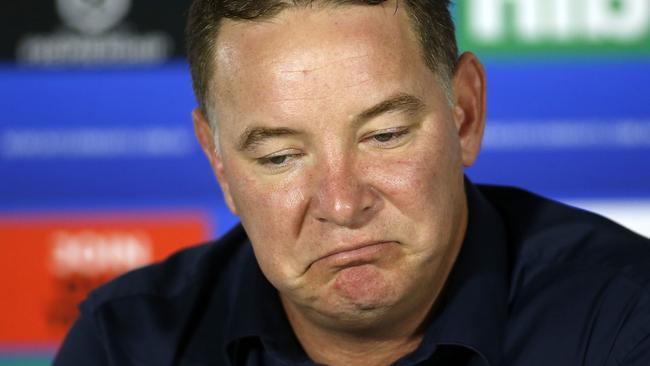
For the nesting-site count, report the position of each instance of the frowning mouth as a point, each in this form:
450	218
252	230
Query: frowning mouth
355	255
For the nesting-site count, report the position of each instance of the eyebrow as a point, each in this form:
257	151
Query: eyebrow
253	136
401	102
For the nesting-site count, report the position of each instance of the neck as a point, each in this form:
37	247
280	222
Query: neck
381	338
364	347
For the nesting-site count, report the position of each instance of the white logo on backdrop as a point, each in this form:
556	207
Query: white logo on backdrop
92	16
559	20
95	33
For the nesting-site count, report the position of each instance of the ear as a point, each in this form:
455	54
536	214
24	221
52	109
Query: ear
205	135
470	106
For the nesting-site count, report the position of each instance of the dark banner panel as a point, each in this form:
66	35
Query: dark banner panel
91	32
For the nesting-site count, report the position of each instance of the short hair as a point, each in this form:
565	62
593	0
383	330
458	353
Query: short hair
431	21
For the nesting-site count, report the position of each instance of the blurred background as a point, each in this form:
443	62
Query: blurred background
100	173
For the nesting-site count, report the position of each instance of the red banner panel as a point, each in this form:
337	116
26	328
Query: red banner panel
48	264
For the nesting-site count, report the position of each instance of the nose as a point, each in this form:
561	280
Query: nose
344	196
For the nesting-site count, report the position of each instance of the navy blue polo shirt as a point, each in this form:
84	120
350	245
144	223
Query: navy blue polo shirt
536	283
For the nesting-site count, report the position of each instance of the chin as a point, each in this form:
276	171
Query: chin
359	293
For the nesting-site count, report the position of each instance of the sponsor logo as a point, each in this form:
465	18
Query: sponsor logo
560	25
92	16
94	32
90	253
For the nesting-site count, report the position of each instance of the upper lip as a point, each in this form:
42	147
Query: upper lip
348	248
351	247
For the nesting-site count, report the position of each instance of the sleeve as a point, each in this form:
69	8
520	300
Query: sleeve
82	346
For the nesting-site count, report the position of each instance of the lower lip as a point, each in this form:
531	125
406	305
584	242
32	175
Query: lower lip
356	257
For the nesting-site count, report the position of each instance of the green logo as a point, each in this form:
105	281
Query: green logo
554	26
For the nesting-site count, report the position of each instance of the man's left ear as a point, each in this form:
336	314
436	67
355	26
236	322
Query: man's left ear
470	105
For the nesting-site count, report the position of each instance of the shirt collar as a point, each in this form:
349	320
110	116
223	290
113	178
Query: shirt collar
241	307
258	313
471	311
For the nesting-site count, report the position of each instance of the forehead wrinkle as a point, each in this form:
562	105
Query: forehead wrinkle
299	99
319	81
323	66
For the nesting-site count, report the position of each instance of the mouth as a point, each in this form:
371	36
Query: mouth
355	255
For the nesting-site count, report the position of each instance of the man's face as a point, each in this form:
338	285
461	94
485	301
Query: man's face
341	154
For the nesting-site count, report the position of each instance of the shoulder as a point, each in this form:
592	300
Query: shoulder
153	307
177	274
575	273
545	235
543	232
548	230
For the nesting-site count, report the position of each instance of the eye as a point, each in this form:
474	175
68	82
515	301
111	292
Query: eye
277	160
388	138
273	160
384	137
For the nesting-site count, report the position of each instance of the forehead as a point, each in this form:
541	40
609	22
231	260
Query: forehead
314	54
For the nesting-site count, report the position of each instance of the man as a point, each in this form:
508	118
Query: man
338	132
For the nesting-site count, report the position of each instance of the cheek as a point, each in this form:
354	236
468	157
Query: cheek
287	202
408	186
271	215
271	208
414	178
423	187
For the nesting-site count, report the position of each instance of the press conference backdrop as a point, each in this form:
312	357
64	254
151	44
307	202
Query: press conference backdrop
100	173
